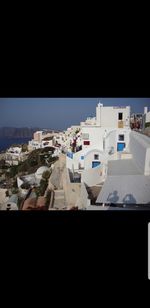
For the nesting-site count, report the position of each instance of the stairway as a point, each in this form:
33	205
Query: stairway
59	200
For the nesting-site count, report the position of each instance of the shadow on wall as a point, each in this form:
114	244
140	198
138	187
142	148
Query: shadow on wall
113	197
129	199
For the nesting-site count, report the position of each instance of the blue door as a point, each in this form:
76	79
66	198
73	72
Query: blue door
120	146
95	164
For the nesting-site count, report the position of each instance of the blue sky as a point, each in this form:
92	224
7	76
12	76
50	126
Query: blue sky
58	113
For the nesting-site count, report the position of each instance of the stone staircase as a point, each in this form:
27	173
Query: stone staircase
59	200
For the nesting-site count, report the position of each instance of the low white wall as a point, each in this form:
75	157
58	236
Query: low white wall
140	149
147	162
71	190
69	162
84	197
148	117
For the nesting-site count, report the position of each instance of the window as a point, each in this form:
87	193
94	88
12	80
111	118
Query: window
82	157
96	156
120	116
86	142
121	138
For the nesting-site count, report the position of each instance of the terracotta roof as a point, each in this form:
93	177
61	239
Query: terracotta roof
41	201
35	204
29	203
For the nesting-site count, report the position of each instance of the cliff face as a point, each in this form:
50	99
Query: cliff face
14	132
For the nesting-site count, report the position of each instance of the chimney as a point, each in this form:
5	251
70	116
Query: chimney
100	104
145	110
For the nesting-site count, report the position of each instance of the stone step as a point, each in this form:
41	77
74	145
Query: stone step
59	194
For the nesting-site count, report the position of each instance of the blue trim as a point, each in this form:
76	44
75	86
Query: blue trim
95	164
120	146
70	155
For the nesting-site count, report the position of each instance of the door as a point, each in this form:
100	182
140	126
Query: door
120	124
120	146
95	164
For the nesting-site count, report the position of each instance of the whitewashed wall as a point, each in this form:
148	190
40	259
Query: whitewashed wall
96	135
84	196
126	134
111	140
89	157
93	176
140	151
147	162
69	163
108	116
148	117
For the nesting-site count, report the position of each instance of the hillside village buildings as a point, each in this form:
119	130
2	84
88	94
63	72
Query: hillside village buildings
146	117
140	120
102	152
106	134
104	161
111	153
42	139
14	155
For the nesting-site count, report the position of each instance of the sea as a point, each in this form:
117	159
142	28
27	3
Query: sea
5	143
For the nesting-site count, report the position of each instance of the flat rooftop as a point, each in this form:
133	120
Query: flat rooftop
123	167
125	189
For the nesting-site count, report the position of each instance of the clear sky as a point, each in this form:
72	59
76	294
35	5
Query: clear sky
58	113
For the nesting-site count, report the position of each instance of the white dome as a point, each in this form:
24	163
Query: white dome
40	171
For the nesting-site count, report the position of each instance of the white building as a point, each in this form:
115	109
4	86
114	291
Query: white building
59	139
104	153
14	155
105	135
146	117
33	145
113	117
41	139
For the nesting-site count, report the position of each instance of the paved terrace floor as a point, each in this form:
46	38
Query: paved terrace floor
125	189
123	167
